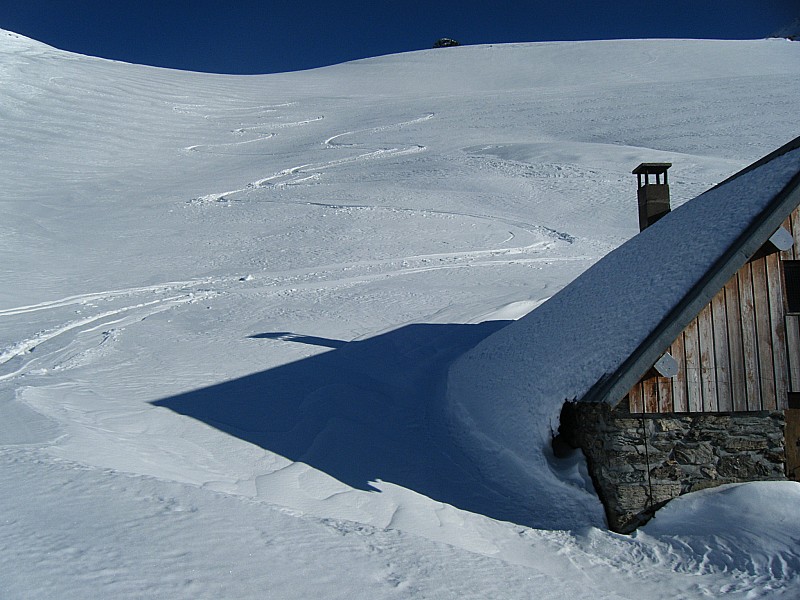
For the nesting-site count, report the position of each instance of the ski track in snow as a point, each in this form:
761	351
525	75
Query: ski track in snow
328	276
105	295
330	143
30	347
306	173
303	174
256	129
201	110
298	174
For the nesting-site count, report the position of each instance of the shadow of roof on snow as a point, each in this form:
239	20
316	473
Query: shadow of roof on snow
367	410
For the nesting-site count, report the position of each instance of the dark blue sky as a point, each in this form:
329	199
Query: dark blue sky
249	36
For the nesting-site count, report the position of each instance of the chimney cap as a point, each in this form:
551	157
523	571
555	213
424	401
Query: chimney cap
651	168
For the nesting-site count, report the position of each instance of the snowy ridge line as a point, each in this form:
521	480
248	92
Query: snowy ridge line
82	298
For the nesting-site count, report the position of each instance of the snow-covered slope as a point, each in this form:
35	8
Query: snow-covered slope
227	305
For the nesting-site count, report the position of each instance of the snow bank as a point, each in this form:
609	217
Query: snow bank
505	395
749	528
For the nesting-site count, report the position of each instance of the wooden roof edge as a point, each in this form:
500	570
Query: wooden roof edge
614	386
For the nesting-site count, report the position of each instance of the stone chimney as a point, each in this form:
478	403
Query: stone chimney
653	194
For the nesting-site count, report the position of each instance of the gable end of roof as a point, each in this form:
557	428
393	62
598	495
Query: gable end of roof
613	387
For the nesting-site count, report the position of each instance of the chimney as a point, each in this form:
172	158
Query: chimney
653	194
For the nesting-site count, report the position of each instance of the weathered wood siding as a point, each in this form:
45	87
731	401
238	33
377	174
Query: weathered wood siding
741	352
792	330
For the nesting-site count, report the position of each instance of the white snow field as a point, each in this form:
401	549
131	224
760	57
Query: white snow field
228	305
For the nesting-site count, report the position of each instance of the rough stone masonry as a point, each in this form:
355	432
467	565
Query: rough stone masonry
639	462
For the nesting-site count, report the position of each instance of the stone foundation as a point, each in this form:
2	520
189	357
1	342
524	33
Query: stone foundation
639	462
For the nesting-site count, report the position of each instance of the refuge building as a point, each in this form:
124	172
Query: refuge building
707	392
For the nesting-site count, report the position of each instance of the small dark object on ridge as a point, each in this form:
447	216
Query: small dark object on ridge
445	43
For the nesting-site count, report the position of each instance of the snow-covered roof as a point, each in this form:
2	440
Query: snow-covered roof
594	339
725	227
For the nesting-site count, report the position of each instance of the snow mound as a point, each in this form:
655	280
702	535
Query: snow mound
749	528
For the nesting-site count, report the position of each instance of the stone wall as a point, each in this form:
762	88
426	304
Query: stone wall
639	462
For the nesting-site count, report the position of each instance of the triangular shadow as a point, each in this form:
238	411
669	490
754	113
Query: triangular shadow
367	410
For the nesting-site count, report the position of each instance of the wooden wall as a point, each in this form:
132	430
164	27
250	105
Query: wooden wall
741	353
793	320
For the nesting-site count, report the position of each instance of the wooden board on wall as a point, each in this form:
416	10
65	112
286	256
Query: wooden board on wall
694	391
735	347
749	339
680	402
708	376
793	344
721	352
778	331
792	224
636	399
766	366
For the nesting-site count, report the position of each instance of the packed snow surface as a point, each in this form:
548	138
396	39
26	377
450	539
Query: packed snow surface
229	304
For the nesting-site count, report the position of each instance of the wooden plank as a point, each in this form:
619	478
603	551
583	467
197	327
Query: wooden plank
679	401
749	341
691	346
708	376
636	400
650	392
795	219
735	349
664	385
778	331
721	352
764	334
793	351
